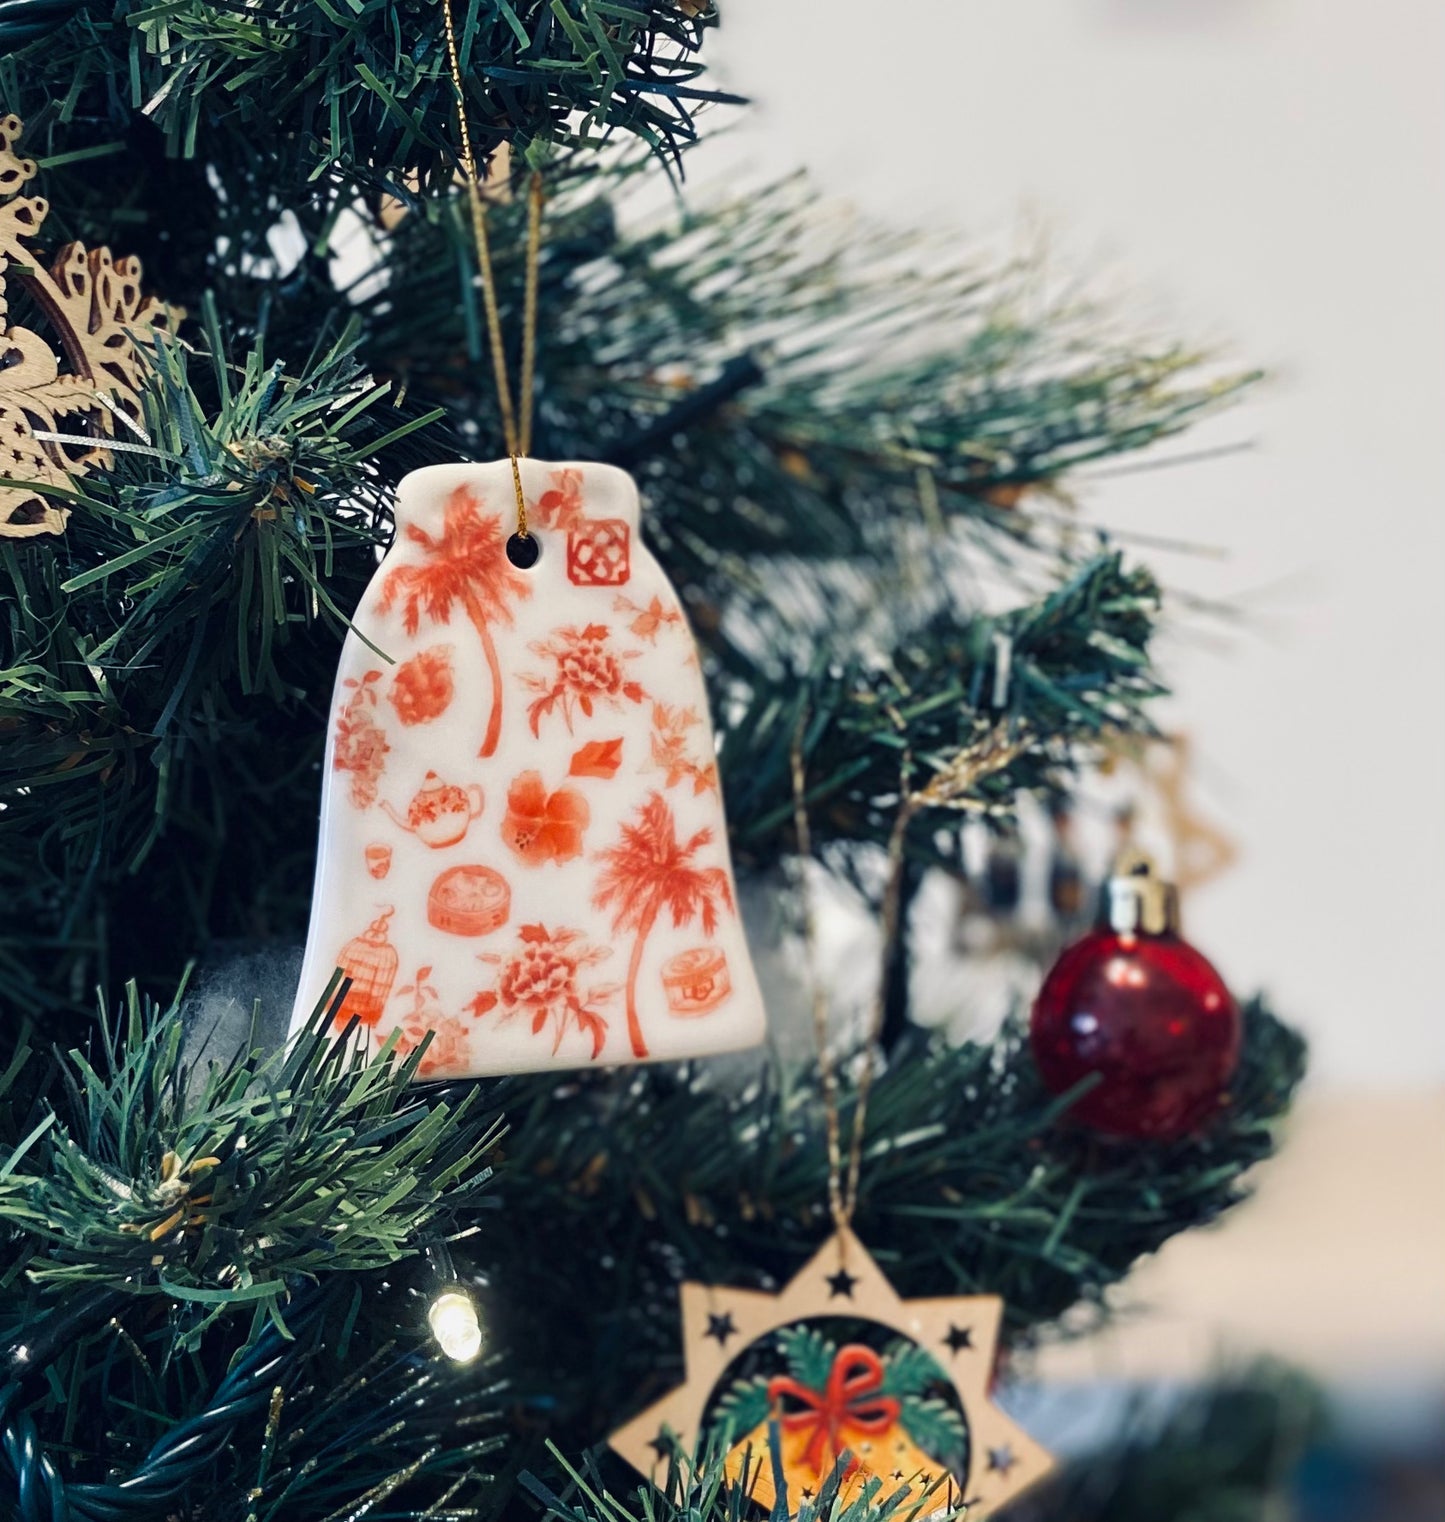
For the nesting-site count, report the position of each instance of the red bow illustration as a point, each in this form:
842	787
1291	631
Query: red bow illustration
846	1406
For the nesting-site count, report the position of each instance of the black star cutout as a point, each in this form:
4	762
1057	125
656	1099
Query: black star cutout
896	1475
841	1283
1001	1459
720	1327
807	1492
959	1337
661	1445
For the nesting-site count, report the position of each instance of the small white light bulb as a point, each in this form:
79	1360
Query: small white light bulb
453	1321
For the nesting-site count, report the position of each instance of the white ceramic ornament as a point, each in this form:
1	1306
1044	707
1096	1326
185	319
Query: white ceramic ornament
523	847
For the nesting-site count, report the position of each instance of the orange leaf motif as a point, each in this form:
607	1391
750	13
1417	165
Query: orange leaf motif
598	758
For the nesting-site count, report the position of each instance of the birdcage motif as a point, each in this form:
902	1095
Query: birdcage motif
370	961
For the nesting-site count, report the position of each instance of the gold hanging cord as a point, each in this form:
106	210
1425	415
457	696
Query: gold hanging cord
951	787
516	431
842	1187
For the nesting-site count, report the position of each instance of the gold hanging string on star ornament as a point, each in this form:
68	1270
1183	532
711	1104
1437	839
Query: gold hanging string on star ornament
842	1196
950	787
516	425
831	1122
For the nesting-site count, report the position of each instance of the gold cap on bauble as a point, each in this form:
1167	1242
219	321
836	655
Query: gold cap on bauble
1137	900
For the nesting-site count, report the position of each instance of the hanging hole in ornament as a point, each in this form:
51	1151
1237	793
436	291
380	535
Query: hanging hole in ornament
523	551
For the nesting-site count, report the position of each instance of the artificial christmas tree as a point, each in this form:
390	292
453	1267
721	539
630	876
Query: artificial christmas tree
225	1270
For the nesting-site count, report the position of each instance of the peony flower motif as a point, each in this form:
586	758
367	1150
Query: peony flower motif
362	749
537	975
541	826
539	980
586	671
589	668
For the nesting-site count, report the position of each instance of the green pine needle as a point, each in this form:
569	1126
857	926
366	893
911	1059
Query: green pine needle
228	1185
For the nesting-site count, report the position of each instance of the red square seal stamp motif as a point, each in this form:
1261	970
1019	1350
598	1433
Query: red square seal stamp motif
599	553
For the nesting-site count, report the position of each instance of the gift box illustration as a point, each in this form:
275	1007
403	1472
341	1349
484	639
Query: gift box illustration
881	1415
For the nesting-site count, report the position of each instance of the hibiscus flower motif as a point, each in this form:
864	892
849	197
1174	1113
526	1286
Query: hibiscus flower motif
541	826
539	980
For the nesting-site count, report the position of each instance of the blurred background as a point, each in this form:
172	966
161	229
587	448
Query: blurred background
1268	176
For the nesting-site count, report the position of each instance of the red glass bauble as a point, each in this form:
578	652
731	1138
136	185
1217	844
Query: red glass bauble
1148	1014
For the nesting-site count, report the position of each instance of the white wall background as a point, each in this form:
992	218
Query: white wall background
1270	173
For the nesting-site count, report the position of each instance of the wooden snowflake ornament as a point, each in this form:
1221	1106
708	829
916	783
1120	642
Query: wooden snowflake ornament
523	849
99	316
850	1381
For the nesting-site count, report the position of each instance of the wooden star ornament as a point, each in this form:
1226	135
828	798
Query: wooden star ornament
835	1403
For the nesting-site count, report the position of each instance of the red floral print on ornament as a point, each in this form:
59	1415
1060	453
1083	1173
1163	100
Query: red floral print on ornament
450	1037
560	506
466	567
649	872
539	980
650	621
672	750
540	826
361	746
586	672
422	688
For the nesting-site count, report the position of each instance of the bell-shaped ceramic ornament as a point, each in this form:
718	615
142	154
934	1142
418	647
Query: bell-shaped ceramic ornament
523	847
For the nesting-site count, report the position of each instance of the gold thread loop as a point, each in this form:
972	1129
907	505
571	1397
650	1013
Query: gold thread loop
521	497
950	787
516	434
802	830
529	310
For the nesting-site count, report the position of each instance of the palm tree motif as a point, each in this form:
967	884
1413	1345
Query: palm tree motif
467	564
650	870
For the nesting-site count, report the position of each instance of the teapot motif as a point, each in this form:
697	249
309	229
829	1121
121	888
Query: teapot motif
439	813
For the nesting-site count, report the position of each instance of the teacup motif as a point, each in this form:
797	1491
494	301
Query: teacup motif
440	813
